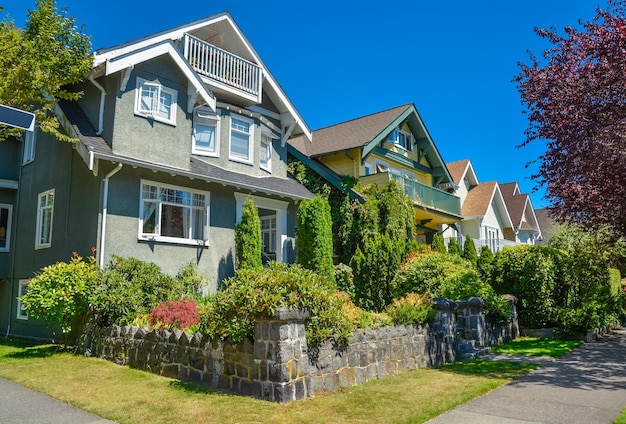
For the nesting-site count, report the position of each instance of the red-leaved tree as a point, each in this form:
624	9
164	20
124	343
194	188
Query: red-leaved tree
576	102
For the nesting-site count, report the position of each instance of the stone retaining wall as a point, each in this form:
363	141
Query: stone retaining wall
278	364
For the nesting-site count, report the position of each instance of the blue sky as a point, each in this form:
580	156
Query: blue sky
340	60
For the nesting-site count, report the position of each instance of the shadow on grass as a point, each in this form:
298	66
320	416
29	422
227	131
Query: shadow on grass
193	389
489	369
25	349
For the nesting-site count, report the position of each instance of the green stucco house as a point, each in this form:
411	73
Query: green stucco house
175	130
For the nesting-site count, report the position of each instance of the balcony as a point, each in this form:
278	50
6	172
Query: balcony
421	194
230	72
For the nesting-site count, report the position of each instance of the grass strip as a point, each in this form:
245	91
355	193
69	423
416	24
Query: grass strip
130	396
534	346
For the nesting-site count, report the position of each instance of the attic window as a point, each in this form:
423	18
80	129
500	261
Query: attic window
155	101
402	139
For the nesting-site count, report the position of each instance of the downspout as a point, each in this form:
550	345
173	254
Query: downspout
105	202
13	247
103	93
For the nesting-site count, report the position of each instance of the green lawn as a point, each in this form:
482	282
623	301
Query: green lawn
130	396
533	346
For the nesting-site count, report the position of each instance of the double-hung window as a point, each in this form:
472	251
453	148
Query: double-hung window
45	209
206	133
265	150
156	101
401	138
28	154
241	139
173	214
5	226
268	233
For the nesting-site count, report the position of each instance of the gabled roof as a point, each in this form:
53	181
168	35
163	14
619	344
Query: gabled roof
369	131
225	31
546	222
519	205
462	169
481	197
91	147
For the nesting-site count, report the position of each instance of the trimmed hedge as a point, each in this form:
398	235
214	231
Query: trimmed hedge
314	241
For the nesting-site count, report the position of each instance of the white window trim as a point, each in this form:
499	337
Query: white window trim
382	165
21	291
28	154
148	114
394	138
38	244
269	230
266	132
7	235
248	161
206	114
280	207
174	240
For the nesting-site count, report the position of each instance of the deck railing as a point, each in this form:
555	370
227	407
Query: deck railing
495	245
429	196
222	66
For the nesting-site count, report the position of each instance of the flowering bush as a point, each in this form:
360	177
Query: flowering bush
172	314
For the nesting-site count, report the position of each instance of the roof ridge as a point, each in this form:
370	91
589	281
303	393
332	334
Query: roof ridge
365	116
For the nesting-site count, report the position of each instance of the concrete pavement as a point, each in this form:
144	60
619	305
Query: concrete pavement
20	405
588	385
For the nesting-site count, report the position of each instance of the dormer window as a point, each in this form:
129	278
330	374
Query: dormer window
206	133
156	101
402	139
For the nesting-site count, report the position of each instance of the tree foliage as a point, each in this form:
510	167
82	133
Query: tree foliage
248	241
314	241
576	101
469	250
38	63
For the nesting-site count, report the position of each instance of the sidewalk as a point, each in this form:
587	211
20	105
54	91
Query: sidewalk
19	405
588	385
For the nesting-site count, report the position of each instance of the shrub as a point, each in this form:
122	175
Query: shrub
469	250
345	279
128	288
438	243
537	276
454	248
412	309
248	241
191	281
314	240
180	314
374	268
450	276
484	263
255	292
361	318
60	292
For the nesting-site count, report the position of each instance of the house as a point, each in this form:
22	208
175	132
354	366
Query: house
547	225
485	216
392	144
525	228
175	131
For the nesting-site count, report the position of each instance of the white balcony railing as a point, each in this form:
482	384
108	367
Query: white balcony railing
495	245
222	66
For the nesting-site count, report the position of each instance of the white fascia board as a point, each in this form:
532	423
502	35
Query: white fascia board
497	194
9	184
140	43
150	52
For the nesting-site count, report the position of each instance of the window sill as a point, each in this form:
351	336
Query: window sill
23	318
155	118
240	160
43	246
173	240
203	153
268	170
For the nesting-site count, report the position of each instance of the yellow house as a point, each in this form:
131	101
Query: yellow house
392	144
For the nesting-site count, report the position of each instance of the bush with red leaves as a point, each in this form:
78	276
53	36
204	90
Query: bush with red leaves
172	314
